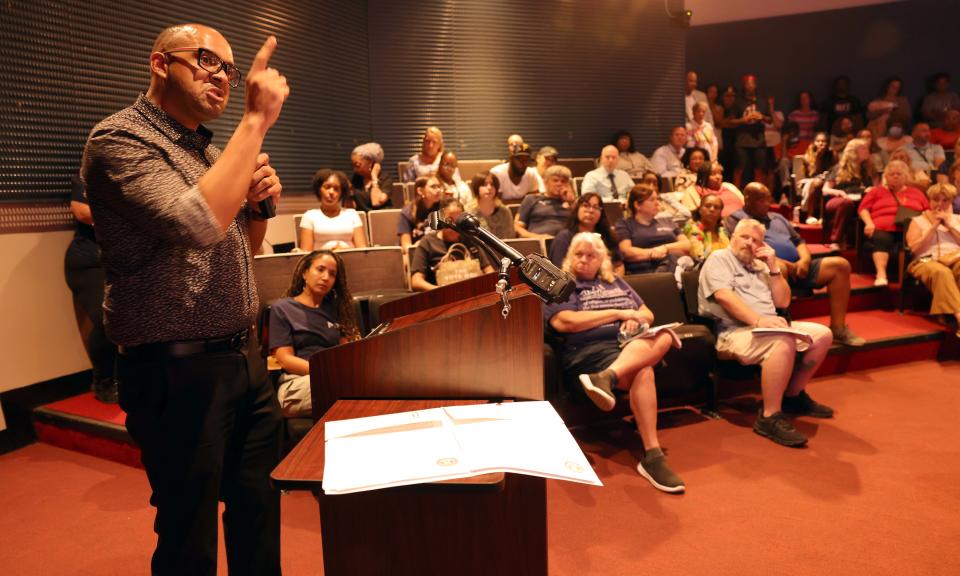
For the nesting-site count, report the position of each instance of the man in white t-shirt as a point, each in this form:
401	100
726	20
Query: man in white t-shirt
516	178
610	182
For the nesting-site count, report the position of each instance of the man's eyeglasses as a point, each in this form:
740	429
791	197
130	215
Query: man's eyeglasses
209	61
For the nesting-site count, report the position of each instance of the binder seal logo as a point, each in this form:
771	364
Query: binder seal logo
573	467
447	462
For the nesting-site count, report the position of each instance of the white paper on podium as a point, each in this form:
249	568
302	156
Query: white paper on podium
453	442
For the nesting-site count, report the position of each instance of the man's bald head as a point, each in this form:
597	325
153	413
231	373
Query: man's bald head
756	199
609	156
178	84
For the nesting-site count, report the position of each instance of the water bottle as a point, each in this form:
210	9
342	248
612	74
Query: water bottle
796	214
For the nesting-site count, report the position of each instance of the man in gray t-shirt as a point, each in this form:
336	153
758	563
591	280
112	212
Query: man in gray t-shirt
742	287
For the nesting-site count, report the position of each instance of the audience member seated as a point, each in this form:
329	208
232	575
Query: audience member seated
667	159
694	160
610	182
543	215
428	160
705	230
790	145
412	223
841	134
806	116
846	183
802	272
693	97
591	321
948	134
952	177
818	160
516	178
742	287
700	132
317	313
488	208
934	239
435	247
370	184
513	140
876	155
936	104
894	139
649	243
841	104
924	155
710	181
878	211
331	227
750	145
546	157
449	176
919	179
587	215
629	160
890	106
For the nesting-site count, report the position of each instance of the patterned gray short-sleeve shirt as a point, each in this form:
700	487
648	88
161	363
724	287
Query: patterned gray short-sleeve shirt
171	272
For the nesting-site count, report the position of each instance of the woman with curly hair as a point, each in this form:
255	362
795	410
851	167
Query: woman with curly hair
317	313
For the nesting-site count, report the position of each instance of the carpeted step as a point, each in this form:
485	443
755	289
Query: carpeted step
85	424
863	296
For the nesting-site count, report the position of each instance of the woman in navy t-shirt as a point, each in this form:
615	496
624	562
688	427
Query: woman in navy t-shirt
648	243
317	313
590	322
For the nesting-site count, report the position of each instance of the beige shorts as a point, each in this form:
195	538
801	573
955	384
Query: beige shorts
294	395
743	346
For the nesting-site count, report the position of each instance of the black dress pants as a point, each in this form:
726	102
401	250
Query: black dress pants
208	427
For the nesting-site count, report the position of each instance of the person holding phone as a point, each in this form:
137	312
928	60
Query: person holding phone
741	287
371	185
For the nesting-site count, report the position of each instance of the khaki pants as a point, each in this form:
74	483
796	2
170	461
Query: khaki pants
942	280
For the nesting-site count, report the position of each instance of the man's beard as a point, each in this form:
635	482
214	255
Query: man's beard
744	255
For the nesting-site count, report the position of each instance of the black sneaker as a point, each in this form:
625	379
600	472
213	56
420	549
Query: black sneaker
599	387
779	429
803	405
105	390
653	467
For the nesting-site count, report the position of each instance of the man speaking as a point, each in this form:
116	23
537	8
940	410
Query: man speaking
179	222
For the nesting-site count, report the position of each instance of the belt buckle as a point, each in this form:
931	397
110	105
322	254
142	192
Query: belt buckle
238	340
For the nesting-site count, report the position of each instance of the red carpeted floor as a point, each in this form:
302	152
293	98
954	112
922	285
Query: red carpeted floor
89	407
877	492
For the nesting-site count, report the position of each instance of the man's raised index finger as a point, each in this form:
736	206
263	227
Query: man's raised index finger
263	55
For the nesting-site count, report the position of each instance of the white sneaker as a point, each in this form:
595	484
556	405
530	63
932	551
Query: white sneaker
880	282
811	221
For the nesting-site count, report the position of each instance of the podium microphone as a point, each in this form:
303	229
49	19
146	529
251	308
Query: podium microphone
547	281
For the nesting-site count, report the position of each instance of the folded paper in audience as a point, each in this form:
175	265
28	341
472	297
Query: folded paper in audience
644	331
803	336
452	442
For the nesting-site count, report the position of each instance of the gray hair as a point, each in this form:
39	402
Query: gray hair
750	223
370	151
592	238
558	170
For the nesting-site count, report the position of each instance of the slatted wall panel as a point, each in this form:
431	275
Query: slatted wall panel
565	73
64	65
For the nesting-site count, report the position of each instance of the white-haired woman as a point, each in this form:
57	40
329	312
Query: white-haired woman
934	239
590	322
371	185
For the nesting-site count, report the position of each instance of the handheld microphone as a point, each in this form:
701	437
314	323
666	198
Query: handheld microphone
267	209
547	281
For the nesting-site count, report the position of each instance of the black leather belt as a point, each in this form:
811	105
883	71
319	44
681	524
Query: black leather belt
182	348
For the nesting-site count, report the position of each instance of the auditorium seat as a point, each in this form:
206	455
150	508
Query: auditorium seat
526	246
383	227
578	166
685	377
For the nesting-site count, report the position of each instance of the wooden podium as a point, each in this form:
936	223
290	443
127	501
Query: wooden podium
448	346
